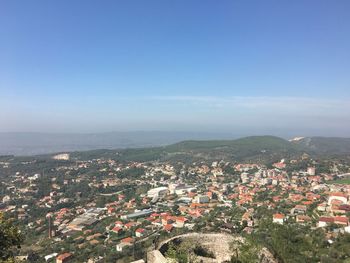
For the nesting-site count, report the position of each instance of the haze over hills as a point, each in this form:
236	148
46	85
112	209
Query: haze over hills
31	143
208	145
329	145
264	144
252	148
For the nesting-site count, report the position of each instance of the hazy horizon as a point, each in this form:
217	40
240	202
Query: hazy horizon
32	143
280	68
214	134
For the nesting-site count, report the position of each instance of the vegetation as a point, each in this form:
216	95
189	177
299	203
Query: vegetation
185	251
329	145
10	238
247	251
298	243
340	181
261	148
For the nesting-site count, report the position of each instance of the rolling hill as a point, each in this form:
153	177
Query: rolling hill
253	148
262	148
325	145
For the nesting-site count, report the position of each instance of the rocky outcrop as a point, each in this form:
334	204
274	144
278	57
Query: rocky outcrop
218	244
155	256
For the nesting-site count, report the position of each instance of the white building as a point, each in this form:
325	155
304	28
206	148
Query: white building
347	229
172	188
201	199
311	171
338	196
121	246
62	156
158	192
244	178
278	218
6	199
184	190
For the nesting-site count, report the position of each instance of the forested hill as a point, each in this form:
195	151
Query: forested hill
253	148
326	145
262	148
252	143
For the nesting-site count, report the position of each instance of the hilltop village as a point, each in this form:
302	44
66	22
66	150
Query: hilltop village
104	210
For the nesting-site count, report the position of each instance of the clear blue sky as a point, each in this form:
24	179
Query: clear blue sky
190	65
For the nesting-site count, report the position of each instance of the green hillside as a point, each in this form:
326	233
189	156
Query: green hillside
326	145
253	148
247	143
262	148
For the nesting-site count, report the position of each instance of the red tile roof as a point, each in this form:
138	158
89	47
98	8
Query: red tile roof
140	230
168	227
116	229
278	216
127	240
326	219
64	256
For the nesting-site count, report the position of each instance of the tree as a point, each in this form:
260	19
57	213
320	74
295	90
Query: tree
10	238
183	252
245	251
171	251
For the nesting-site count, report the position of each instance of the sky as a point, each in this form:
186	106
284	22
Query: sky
252	67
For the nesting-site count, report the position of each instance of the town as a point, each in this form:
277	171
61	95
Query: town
105	210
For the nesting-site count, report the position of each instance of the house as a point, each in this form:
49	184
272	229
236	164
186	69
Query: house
167	220
130	225
119	224
341	220
337	196
157	222
344	208
63	258
126	242
140	232
324	221
300	209
168	227
154	215
116	230
180	221
340	209
278	218
322	207
280	165
303	219
111	210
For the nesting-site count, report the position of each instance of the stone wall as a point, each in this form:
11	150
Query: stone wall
220	244
155	256
217	243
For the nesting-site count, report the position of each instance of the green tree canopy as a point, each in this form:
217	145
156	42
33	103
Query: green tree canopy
10	238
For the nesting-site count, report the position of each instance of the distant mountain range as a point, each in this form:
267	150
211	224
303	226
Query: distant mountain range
253	148
157	145
256	144
26	143
325	145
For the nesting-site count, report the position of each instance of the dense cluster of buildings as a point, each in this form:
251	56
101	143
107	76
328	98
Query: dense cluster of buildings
119	212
